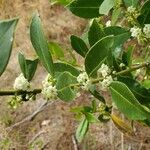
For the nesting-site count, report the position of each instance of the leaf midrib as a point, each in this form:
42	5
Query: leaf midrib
136	107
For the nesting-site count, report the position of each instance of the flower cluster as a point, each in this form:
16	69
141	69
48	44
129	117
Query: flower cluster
15	102
104	71
136	32
146	30
106	82
131	9
141	34
49	90
84	81
132	14
21	83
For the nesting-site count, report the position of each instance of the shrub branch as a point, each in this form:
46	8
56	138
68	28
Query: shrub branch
38	91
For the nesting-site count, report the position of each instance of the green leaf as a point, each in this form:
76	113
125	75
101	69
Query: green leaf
96	94
120	35
127	57
85	8
129	3
97	55
84	36
40	44
63	2
91	118
82	130
63	85
146	84
141	93
28	67
95	33
7	28
56	50
94	106
115	15
144	17
62	67
130	55
79	45
106	6
127	103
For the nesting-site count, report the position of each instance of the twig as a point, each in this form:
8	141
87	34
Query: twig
122	137
45	145
32	116
38	91
36	136
74	143
17	92
111	134
141	145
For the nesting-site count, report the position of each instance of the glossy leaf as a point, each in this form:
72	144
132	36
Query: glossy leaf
85	8
144	17
40	44
79	45
28	67
97	55
62	67
141	93
120	35
64	82
95	33
106	6
7	28
127	103
82	130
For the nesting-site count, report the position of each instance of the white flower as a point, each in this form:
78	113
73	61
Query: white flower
135	32
106	82
122	65
47	81
101	107
49	92
84	81
103	70
108	23
131	9
114	72
146	30
21	83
